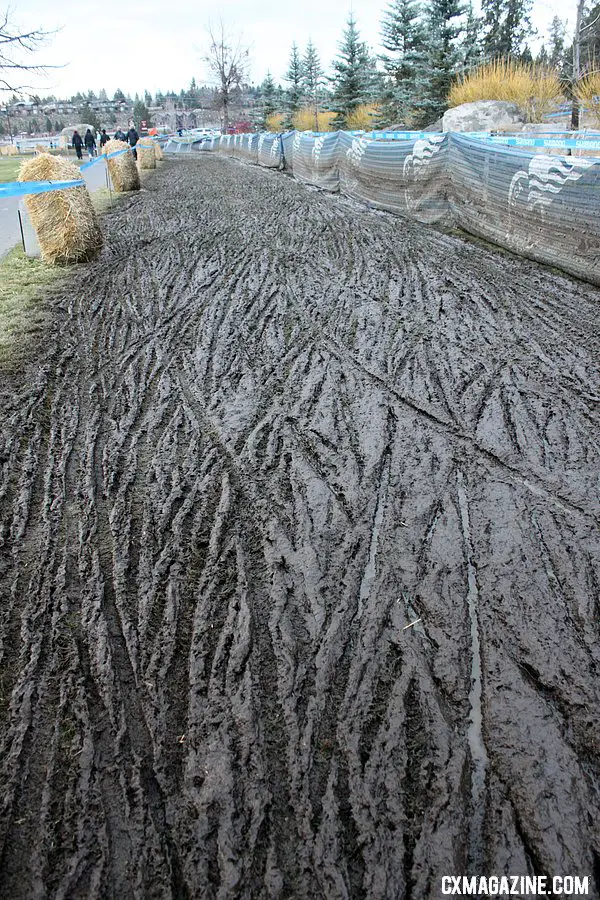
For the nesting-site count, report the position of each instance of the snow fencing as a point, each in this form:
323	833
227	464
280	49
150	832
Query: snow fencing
545	207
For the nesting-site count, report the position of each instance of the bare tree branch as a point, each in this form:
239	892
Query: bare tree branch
12	42
228	60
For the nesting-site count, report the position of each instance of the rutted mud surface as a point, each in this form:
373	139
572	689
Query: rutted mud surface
273	431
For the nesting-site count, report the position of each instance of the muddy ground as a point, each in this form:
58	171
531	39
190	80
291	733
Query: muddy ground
270	430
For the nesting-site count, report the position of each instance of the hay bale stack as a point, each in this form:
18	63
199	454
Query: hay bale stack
145	153
65	222
9	150
123	170
158	151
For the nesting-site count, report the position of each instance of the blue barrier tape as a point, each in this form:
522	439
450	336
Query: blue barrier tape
21	188
555	143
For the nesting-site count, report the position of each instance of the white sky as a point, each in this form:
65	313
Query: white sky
158	45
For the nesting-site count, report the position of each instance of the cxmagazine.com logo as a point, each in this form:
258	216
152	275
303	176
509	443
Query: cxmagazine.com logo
482	886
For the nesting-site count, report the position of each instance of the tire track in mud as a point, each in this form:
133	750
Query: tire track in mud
272	431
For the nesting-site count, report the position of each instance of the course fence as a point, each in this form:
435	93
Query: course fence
545	207
15	226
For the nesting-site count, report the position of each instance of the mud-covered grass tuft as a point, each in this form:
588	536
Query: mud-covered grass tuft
24	286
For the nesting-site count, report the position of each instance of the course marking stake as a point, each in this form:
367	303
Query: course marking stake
410	624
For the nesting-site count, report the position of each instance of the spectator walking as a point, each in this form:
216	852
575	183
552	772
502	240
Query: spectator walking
77	143
119	135
132	138
90	143
104	138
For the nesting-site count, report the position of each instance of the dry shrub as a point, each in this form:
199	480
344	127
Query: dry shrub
304	120
363	118
123	170
533	89
65	222
274	122
587	91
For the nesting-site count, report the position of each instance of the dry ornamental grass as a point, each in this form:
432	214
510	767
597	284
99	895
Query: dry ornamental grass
65	221
587	91
533	89
123	170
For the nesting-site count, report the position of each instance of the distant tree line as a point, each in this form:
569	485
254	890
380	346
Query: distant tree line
425	46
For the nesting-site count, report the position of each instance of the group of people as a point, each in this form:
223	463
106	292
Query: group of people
89	141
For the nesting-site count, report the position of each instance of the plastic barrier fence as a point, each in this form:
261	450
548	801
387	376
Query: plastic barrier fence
409	178
540	206
543	207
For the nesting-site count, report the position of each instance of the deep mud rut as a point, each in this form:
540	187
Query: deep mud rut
274	430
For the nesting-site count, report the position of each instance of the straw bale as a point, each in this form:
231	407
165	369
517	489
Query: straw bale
123	170
9	150
65	222
149	142
146	155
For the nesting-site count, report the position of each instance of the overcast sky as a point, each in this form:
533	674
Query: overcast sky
158	45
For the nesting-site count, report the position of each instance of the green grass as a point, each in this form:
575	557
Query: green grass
10	165
24	285
9	168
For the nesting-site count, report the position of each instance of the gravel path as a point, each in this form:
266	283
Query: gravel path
275	430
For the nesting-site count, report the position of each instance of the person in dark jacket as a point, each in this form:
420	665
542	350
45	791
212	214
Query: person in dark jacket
90	143
77	143
104	138
132	139
119	135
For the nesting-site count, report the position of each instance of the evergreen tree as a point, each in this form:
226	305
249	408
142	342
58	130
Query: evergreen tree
141	114
147	98
268	95
470	46
556	50
89	116
103	95
312	80
293	76
590	39
506	26
48	124
403	36
119	96
444	29
353	79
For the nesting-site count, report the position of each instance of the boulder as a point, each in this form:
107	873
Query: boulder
483	115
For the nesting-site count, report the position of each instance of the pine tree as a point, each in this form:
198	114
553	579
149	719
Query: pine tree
506	26
444	29
293	76
353	81
403	36
141	114
89	116
312	80
470	46
268	94
556	50
590	39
